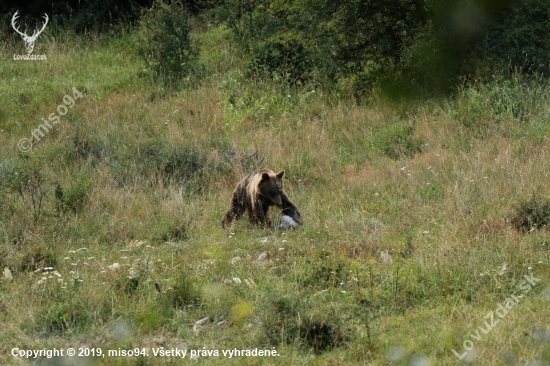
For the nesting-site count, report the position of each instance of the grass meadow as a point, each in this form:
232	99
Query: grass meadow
421	217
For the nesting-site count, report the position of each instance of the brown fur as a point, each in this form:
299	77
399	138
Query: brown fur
255	194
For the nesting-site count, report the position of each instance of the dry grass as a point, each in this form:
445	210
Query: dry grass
406	244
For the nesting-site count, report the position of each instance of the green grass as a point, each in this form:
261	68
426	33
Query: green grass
408	239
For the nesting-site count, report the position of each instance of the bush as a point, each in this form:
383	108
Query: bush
157	161
185	292
400	45
170	231
35	256
85	145
73	198
164	42
30	182
174	165
286	54
183	165
290	322
479	38
305	38
82	16
514	35
68	317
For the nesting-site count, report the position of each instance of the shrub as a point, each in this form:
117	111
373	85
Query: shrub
173	165
304	38
65	318
185	292
170	231
164	42
320	336
30	182
290	322
240	312
82	16
470	39
286	54
183	165
513	35
231	159
36	256
73	197
399	45
84	146
157	161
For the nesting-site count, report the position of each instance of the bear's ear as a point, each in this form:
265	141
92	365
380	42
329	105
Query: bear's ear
265	177
280	174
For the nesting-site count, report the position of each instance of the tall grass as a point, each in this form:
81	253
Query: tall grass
407	242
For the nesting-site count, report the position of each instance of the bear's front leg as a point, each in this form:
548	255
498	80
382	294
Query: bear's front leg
290	209
260	213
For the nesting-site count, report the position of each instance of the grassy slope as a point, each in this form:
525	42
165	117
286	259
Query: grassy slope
404	251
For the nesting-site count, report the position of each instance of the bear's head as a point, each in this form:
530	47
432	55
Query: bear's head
271	186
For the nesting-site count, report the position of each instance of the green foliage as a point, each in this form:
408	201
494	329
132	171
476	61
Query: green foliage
164	41
380	245
182	164
300	39
320	336
477	38
35	256
520	101
153	316
84	17
513	35
29	181
173	164
169	231
240	312
68	317
86	145
73	198
185	292
399	45
286	54
232	159
329	274
138	281
3	191
289	321
157	161
397	140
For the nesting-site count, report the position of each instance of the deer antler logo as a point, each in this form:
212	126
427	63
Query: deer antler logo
29	40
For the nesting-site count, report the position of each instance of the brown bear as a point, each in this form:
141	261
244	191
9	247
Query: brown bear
255	193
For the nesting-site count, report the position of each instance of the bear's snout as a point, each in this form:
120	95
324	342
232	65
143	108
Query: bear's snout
278	202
